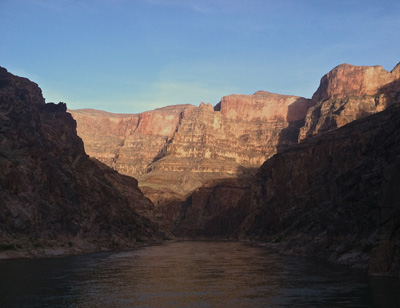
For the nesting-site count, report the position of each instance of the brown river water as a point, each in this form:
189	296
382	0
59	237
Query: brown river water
191	274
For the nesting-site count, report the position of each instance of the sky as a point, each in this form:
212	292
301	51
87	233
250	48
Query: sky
129	56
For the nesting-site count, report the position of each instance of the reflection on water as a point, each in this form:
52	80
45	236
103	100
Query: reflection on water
190	274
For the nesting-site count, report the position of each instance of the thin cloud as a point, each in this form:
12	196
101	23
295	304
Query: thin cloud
160	94
207	6
193	5
170	92
64	6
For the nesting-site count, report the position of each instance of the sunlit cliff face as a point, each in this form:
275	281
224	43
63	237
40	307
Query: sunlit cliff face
239	134
348	93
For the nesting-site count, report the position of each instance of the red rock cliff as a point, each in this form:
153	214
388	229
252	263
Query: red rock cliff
191	145
128	142
348	93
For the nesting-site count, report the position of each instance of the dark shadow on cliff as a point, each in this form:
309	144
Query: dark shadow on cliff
392	90
243	171
161	153
211	211
289	136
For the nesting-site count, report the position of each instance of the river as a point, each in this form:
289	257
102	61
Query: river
190	274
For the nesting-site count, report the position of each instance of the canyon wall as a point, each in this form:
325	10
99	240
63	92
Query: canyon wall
179	148
335	195
54	199
348	93
128	142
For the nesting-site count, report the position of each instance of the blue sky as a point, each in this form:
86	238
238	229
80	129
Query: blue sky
129	56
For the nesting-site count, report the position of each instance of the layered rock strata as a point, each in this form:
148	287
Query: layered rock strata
335	195
179	148
128	142
53	197
348	93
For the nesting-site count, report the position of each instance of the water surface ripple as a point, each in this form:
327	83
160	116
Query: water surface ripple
190	274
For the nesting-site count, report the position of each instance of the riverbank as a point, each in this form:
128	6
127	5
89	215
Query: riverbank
28	249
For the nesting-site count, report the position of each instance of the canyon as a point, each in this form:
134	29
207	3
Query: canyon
174	150
323	190
309	176
333	195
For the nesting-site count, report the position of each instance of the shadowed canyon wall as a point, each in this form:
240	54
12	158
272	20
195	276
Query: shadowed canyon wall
54	199
335	195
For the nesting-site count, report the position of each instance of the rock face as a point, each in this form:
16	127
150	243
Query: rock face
348	93
191	145
128	142
53	196
336	195
179	148
214	210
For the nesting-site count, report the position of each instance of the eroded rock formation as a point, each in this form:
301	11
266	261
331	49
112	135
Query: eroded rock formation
214	210
348	93
335	196
128	142
53	197
179	148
